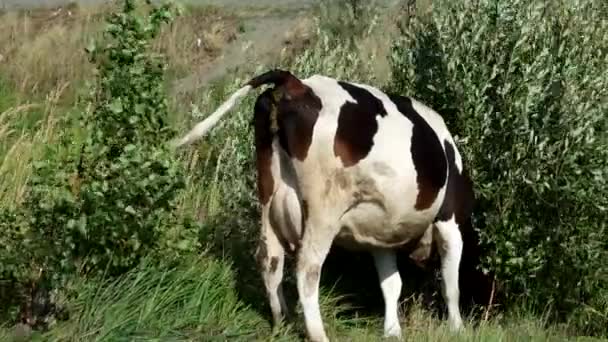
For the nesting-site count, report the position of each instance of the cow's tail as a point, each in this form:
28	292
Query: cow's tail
206	125
276	77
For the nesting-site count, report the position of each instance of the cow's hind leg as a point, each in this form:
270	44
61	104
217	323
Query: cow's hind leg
390	283
271	258
311	257
449	242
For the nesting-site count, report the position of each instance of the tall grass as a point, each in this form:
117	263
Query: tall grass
24	130
43	48
193	300
44	67
196	38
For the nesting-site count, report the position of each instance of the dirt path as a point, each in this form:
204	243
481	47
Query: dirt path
263	39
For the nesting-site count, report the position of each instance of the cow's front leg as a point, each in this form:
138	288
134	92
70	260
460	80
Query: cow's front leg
314	249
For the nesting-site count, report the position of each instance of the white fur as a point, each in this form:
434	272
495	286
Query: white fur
273	278
311	257
204	126
284	204
390	283
450	249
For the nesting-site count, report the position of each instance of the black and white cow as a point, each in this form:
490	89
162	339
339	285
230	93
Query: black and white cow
347	163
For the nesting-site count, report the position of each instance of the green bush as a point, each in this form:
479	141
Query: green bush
347	19
102	205
523	84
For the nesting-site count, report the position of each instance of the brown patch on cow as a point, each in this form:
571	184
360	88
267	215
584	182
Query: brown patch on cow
426	196
357	125
298	112
261	254
297	108
294	88
343	150
263	149
304	218
427	154
281	79
312	277
274	263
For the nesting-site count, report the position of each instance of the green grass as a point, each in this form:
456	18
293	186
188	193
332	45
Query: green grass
191	300
7	95
196	300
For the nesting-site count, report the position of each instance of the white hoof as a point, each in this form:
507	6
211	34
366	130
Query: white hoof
319	337
455	324
393	332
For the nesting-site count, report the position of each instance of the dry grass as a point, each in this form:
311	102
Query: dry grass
20	147
196	38
43	65
40	49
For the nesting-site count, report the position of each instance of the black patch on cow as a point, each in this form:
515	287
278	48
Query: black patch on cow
427	153
304	219
274	263
263	145
476	287
261	254
297	116
296	107
357	125
459	197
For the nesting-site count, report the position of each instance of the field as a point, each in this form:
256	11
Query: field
108	235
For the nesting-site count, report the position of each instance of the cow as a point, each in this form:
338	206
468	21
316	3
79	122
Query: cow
346	163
